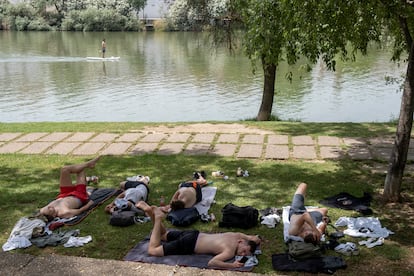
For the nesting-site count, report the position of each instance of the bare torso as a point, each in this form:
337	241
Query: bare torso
187	195
64	205
217	243
297	226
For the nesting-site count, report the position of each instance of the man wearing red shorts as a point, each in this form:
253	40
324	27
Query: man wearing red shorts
73	199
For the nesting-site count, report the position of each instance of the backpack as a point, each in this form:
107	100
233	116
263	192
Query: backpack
303	250
125	217
183	217
240	217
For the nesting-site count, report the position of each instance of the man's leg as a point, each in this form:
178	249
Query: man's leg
149	210
79	169
155	247
301	189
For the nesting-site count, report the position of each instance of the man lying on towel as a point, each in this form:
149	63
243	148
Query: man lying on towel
305	222
188	193
73	199
224	246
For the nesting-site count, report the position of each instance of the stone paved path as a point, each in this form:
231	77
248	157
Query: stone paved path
266	145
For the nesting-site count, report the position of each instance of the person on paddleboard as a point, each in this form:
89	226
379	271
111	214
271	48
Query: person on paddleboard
103	47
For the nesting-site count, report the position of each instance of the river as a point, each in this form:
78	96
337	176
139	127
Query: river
178	77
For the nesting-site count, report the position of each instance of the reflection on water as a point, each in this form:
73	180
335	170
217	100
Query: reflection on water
172	77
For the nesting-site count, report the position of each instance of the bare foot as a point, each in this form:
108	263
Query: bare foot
144	207
158	213
91	164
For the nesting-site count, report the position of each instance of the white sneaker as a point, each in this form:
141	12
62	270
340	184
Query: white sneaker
380	241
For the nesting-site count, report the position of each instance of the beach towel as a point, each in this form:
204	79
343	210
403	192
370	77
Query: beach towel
204	205
140	254
98	196
347	201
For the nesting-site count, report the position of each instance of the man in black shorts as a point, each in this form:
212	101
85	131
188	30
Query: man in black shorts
309	224
188	194
224	246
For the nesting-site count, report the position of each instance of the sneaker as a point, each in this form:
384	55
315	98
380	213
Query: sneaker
347	249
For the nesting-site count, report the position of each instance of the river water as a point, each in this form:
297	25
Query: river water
177	77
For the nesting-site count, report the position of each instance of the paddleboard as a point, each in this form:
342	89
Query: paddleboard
100	58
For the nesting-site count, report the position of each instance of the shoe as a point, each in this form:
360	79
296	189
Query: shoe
347	249
380	241
370	240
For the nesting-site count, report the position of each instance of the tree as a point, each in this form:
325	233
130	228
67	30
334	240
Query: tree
399	15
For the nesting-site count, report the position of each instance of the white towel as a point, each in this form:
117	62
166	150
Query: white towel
204	205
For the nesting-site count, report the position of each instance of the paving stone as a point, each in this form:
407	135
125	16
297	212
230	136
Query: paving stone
410	155
88	148
193	149
228	138
129	137
277	152
13	147
302	140
144	148
250	151
55	136
29	137
80	137
170	148
278	139
354	142
359	153
304	152
178	137
329	141
381	153
383	142
328	152
116	148
253	139
153	137
9	136
224	149
37	147
203	137
63	148
104	137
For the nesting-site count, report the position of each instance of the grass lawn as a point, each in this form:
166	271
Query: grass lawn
28	182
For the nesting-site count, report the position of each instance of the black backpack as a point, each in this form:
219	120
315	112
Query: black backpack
241	217
183	217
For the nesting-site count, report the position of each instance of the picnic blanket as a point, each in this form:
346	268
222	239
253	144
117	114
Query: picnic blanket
98	196
140	254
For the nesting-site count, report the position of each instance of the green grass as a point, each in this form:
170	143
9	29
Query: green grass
28	182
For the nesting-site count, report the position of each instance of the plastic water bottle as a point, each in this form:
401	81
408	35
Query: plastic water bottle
162	201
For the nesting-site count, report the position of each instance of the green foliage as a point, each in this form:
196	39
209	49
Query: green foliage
98	20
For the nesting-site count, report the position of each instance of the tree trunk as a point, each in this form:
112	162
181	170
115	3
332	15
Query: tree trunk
265	110
393	180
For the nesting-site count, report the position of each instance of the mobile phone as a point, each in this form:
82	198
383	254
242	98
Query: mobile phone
244	259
